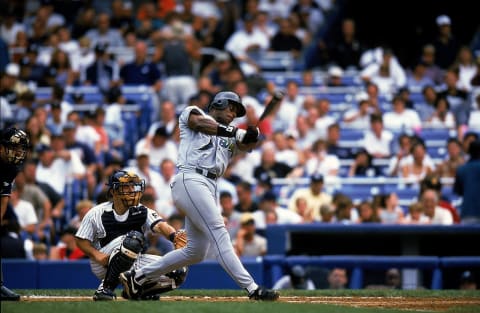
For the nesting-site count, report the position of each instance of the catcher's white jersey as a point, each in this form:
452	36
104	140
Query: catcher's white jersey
199	150
102	224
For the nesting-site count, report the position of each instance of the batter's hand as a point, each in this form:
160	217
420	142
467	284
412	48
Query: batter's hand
180	239
252	135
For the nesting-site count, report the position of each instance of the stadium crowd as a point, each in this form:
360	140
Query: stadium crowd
185	52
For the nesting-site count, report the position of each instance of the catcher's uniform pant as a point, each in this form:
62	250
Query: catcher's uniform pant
142	260
194	194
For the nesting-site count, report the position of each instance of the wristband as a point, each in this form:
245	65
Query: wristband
171	237
226	131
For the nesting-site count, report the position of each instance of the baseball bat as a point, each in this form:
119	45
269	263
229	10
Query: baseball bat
277	97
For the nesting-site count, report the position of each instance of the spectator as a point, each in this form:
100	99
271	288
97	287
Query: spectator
324	118
164	201
26	215
391	212
270	165
468	138
82	207
247	242
168	119
103	33
160	147
457	98
246	202
285	39
347	49
270	210
289	107
245	42
446	44
335	77
103	72
467	281
442	117
417	79
60	63
327	213
448	167
393	280
301	208
433	181
401	118
467	68
40	251
321	162
337	278
296	278
415	215
467	185
333	143
143	169
416	167
314	196
231	217
387	74
66	248
362	165
343	210
358	118
404	151
437	214
366	213
474	117
57	165
377	140
178	52
141	71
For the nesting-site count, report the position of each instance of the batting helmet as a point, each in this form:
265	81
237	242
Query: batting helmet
224	98
16	143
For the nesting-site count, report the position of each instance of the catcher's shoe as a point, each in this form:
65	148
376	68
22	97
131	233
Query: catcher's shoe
104	294
264	294
132	289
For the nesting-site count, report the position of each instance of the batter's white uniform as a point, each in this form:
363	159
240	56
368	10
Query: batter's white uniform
201	159
106	230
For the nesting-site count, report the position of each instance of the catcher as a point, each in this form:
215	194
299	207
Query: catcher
112	236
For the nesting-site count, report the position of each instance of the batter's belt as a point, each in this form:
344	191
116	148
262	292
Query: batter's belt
206	173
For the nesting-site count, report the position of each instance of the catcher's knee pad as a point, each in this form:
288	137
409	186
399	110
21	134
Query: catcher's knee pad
123	258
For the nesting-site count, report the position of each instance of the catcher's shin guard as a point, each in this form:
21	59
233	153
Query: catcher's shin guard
123	259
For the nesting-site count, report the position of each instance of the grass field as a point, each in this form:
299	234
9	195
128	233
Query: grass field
233	301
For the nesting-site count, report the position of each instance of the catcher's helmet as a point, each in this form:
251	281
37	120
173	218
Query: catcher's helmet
224	98
126	186
15	143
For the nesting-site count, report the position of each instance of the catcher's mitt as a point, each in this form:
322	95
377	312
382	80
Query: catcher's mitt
180	239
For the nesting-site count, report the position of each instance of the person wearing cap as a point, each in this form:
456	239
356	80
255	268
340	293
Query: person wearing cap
335	77
467	281
247	242
270	211
313	194
446	44
9	83
295	278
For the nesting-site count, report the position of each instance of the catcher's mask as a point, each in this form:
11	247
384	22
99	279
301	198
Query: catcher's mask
15	145
127	187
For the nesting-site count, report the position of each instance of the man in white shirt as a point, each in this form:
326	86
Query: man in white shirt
159	148
377	140
245	41
401	117
437	214
268	204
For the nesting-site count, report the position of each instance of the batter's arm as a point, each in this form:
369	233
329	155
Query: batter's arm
202	123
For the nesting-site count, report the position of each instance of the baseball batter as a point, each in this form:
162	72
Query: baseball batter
207	142
112	235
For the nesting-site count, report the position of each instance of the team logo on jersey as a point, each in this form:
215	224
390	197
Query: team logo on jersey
226	143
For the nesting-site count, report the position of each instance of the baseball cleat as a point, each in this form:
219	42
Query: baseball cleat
132	289
104	294
264	294
8	295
